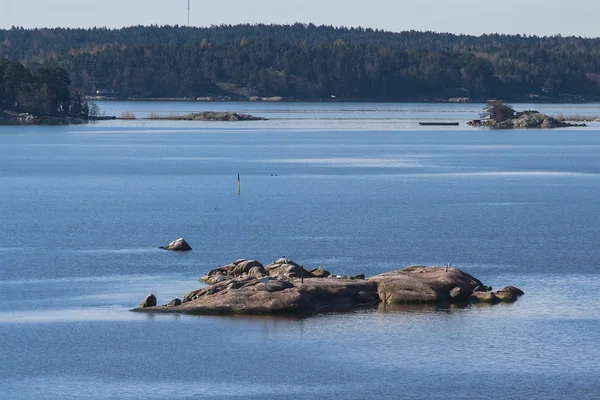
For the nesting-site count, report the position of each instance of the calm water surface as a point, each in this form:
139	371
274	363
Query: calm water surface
354	188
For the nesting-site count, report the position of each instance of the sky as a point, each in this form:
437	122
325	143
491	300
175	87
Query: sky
539	17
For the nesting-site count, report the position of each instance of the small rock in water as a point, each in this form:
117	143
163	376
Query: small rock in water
484	297
178	245
514	290
506	297
149	301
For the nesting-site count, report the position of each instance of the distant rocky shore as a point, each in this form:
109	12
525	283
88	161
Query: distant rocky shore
210	116
497	115
284	286
535	120
17	118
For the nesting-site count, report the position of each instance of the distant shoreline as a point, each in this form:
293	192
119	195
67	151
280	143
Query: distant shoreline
8	117
325	100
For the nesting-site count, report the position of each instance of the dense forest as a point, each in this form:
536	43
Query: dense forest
311	62
44	91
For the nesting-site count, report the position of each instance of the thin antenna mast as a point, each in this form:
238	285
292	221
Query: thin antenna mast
188	13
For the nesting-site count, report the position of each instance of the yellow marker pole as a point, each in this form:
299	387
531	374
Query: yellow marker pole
239	185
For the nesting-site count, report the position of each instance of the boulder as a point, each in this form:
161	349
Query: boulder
320	273
483	288
509	294
149	301
511	289
178	245
236	269
419	284
484	297
175	302
505	297
286	268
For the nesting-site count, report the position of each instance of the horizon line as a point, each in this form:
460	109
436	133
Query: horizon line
337	27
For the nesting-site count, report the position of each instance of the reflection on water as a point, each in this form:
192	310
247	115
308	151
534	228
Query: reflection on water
418	308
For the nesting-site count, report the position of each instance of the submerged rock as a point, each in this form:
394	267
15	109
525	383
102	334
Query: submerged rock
484	297
178	245
505	297
509	294
511	289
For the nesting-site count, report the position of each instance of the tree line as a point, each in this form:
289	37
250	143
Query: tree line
310	62
43	91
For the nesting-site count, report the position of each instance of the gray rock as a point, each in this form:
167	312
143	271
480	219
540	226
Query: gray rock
511	289
419	284
178	245
320	273
484	297
175	302
251	295
286	268
238	268
506	297
149	301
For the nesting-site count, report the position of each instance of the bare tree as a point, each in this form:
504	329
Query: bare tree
94	110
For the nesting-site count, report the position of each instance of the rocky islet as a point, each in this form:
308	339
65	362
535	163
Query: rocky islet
284	286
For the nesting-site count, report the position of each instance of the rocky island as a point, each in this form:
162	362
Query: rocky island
211	116
497	115
248	287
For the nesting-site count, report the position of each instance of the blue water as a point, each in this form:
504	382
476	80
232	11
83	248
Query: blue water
354	188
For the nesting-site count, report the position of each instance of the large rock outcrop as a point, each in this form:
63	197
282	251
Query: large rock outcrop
419	284
244	286
526	120
251	295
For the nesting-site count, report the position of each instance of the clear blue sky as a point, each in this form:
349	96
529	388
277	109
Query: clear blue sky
541	17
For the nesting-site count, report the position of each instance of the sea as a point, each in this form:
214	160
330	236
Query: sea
350	187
